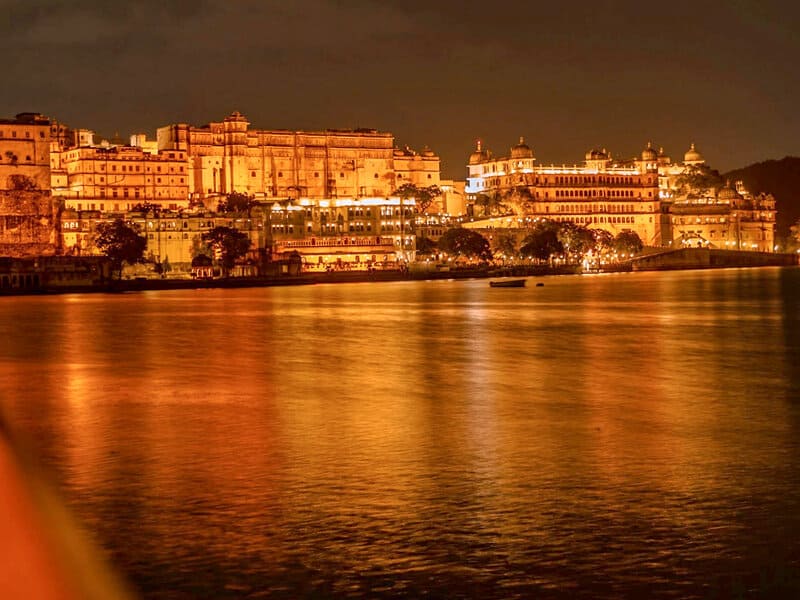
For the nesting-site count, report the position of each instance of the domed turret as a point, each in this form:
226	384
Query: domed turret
728	194
692	156
398	152
595	154
521	150
479	155
649	153
427	152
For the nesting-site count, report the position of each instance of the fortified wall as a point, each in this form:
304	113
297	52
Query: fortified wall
29	223
705	258
29	215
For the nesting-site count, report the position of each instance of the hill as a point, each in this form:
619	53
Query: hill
781	178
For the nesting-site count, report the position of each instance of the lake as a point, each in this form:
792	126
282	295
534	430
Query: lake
602	436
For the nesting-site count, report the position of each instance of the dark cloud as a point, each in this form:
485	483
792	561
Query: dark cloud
440	73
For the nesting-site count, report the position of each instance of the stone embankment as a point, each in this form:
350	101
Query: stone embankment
705	258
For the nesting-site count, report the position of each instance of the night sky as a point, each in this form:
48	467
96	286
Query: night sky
566	75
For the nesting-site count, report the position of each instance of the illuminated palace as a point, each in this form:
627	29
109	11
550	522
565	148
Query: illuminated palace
330	191
229	157
187	165
641	195
327	234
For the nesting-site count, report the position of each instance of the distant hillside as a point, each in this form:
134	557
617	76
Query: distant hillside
781	178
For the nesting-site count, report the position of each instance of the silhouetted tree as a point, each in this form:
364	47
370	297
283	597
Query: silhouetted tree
575	238
465	242
146	207
492	203
603	240
228	245
236	202
793	240
425	245
542	242
22	183
628	242
698	180
423	196
507	245
121	242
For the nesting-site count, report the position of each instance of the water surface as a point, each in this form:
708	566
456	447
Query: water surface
612	436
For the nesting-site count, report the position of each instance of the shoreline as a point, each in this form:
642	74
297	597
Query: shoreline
147	285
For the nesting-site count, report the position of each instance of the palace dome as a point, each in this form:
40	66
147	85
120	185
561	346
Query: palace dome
595	154
521	150
427	152
649	153
479	155
728	193
693	156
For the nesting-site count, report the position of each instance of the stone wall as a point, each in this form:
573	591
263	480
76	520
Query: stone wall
704	258
29	223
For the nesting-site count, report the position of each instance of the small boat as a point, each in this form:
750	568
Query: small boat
515	283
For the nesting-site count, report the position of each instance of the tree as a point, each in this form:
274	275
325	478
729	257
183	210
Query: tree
542	242
575	238
423	196
465	242
21	183
236	202
163	267
628	242
521	199
603	240
121	242
507	245
794	237
146	207
698	180
425	245
228	245
492	203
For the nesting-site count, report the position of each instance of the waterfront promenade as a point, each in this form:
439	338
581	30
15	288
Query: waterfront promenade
682	259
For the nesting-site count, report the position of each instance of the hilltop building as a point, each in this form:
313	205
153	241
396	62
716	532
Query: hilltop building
644	195
601	193
732	219
229	156
725	217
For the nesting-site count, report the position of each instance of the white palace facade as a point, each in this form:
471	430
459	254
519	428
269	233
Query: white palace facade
639	195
